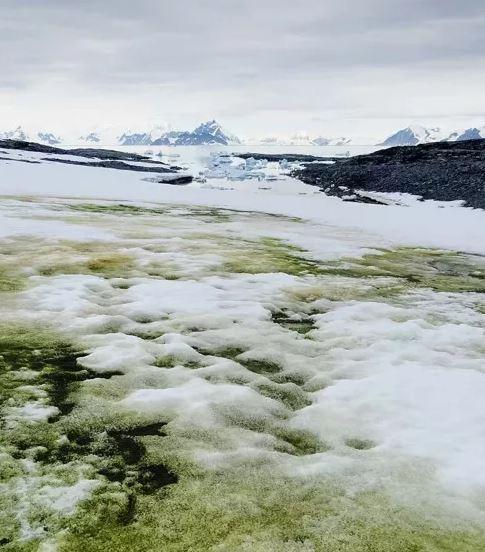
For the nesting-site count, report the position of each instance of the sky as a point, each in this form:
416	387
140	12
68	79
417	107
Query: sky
260	67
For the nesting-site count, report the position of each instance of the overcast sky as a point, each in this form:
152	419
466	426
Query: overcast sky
330	67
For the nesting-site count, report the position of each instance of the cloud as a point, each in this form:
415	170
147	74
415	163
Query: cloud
322	61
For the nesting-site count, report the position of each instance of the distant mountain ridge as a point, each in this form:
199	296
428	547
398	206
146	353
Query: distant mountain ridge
41	136
208	133
212	133
299	139
414	135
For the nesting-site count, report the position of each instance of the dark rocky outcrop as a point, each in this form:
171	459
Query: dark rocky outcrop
177	180
113	164
291	157
444	171
79	152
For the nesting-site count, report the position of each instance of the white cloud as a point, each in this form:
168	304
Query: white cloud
328	66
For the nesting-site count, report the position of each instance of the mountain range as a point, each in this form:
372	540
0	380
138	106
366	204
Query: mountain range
414	135
212	133
209	133
20	134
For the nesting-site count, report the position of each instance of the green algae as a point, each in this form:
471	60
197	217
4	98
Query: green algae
35	350
204	214
116	209
113	265
439	270
261	367
302	442
270	255
360	444
301	325
111	449
289	394
10	280
247	510
170	361
223	509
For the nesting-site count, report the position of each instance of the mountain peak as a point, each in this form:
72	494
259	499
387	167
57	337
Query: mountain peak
414	135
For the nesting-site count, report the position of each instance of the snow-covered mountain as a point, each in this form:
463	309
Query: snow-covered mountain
17	134
413	135
42	136
142	137
298	139
211	133
90	138
322	141
168	138
473	133
49	138
206	134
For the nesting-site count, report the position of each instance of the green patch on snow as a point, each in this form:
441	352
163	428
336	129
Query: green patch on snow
301	324
28	353
10	280
109	265
360	444
170	361
428	268
116	209
67	446
302	442
255	510
269	255
289	394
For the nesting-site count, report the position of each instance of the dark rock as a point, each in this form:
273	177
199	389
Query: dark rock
443	171
21	160
79	152
292	157
113	164
178	180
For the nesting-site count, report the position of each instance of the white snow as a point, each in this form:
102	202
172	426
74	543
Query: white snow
422	224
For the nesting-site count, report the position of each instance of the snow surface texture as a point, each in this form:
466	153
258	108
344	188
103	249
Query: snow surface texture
319	384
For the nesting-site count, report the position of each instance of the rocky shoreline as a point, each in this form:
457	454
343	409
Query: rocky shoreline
443	171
